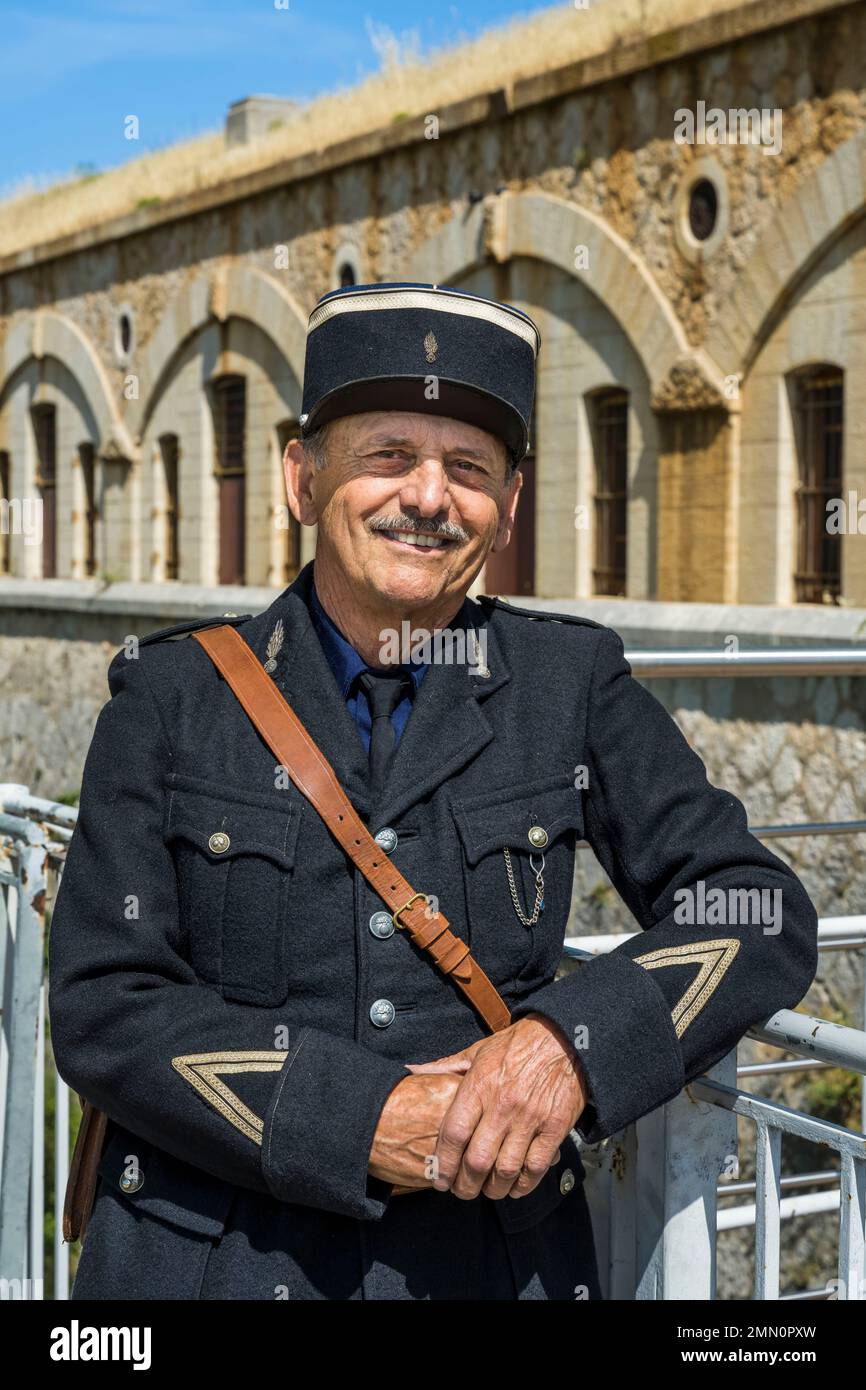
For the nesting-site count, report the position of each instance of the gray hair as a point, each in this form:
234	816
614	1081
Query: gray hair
315	445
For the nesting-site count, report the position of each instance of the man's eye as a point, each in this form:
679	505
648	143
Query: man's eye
468	466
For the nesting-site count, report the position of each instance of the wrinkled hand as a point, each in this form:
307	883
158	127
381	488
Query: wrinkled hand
407	1131
521	1092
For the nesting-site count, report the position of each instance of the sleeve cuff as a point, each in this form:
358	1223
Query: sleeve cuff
319	1127
620	1025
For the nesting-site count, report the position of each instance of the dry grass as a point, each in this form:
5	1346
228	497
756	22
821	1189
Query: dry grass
406	86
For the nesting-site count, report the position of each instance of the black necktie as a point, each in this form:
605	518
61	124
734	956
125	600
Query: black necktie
383	696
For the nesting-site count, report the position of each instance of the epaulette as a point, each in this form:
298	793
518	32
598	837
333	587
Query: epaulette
537	614
173	634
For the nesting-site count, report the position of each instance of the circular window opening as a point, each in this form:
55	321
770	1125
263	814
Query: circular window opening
347	275
703	210
124	333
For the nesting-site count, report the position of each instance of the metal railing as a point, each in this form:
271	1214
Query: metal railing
768	661
33	838
654	1189
657	1239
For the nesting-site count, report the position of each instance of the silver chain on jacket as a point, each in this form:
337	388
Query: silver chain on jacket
539	889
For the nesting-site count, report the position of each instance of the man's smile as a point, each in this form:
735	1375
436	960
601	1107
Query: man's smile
417	540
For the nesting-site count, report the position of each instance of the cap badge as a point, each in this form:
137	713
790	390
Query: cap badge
431	347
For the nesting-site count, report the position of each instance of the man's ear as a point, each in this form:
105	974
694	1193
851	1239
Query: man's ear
508	511
298	470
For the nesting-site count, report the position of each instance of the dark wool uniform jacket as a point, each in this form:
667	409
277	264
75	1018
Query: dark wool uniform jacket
215	1000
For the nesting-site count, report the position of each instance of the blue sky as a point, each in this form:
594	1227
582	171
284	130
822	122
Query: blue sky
70	72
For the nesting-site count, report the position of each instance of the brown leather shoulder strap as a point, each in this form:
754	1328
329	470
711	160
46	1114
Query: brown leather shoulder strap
81	1182
313	775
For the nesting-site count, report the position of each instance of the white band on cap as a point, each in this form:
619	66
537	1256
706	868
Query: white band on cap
439	302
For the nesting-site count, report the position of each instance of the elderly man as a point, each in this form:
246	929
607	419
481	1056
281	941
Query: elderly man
300	1103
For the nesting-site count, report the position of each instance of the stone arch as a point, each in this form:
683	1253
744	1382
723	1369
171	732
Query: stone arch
236	291
48	334
800	233
548	228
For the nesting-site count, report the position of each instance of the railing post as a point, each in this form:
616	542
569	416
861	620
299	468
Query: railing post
611	1193
768	1210
690	1142
20	1030
852	1232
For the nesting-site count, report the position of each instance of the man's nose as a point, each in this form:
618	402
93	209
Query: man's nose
426	488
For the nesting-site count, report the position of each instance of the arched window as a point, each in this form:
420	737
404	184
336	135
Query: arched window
609	422
347	275
5	512
45	435
230	408
819	435
87	460
290	529
169	451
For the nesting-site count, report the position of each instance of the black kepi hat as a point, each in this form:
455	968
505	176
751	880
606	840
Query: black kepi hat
430	349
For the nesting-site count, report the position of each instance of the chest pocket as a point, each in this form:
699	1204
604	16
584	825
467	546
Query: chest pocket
502	820
234	854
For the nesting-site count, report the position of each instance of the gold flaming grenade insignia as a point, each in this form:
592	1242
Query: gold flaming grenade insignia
431	347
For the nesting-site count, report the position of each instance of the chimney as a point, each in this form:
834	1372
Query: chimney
253	117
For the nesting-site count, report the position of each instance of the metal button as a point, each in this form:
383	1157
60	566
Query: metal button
538	836
386	839
382	925
132	1182
566	1182
219	842
230	615
382	1013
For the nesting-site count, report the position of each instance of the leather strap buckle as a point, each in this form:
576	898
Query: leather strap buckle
402	925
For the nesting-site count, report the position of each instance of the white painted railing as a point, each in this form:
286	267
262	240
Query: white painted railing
654	1189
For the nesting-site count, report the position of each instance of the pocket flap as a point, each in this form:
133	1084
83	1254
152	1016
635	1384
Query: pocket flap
503	818
164	1186
224	822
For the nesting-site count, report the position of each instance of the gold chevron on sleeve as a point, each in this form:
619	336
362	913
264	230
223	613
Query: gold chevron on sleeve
714	957
203	1070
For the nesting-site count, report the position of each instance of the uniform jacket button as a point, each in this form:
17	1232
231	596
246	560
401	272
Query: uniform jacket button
386	839
219	842
566	1182
382	925
382	1013
131	1182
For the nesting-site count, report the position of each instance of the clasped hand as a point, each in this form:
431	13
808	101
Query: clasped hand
489	1118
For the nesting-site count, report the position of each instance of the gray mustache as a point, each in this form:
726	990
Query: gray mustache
447	529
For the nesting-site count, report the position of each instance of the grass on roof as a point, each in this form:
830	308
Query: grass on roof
406	87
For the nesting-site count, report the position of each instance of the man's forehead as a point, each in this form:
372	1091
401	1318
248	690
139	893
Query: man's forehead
394	427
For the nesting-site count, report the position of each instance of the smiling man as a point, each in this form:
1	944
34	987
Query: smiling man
301	1104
